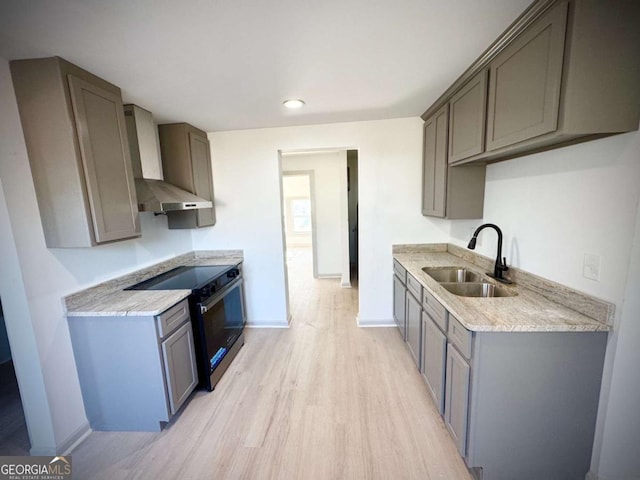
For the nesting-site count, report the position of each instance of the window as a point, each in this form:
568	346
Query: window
300	210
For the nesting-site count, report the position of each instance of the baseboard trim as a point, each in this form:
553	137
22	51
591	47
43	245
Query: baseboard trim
375	322
330	275
75	439
266	325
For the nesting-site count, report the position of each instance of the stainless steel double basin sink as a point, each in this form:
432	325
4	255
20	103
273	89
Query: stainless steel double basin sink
466	283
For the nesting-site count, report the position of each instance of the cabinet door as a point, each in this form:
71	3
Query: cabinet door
434	357
414	320
524	82
456	407
467	119
99	120
202	177
434	164
399	304
180	366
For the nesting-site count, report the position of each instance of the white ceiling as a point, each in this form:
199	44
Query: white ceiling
229	64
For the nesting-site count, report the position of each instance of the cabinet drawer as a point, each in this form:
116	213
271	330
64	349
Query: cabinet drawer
459	336
399	271
171	319
435	310
414	286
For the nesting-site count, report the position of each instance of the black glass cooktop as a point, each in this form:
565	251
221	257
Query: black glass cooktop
183	278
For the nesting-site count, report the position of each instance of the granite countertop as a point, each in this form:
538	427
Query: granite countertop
109	299
540	306
129	303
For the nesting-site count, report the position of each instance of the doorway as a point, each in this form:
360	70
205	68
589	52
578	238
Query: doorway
352	189
319	220
298	194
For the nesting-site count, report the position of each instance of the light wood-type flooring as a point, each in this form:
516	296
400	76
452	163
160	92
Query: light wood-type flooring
323	399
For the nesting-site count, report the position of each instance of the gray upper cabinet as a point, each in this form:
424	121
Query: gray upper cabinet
451	192
565	71
202	176
467	119
434	167
76	139
524	85
186	163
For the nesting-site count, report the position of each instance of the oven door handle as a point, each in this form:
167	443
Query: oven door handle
205	308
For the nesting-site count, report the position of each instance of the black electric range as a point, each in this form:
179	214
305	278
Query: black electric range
184	278
217	311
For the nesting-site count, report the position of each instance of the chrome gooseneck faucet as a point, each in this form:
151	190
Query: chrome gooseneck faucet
501	263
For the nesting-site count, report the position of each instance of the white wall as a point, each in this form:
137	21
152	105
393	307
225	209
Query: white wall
616	455
293	187
389	155
33	279
329	172
554	207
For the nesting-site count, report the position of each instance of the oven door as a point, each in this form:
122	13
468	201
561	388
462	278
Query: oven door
223	318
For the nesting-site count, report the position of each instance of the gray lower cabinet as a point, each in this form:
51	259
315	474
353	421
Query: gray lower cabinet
399	298
457	397
76	139
517	404
135	372
414	326
434	358
399	305
186	163
179	366
533	402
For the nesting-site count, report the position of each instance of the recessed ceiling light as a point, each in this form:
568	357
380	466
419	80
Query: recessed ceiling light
293	103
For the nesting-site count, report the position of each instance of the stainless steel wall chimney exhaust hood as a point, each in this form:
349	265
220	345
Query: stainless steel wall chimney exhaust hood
154	194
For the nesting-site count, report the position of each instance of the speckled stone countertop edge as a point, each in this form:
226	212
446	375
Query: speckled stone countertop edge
110	299
140	303
513	314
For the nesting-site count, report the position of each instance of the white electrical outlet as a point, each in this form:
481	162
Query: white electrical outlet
591	266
